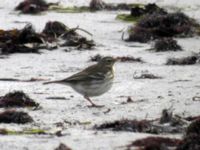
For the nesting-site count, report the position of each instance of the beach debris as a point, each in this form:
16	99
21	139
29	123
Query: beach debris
194	128
129	59
155	26
17	99
33	6
138	11
12	116
189	60
191	140
55	34
154	143
57	31
125	125
128	101
98	57
166	44
95	5
173	124
145	75
25	40
63	147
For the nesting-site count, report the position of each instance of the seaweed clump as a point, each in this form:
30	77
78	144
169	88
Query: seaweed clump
155	143
17	99
96	5
138	11
156	25
126	125
63	147
98	57
33	6
191	141
20	41
146	75
190	60
166	44
55	30
55	33
12	116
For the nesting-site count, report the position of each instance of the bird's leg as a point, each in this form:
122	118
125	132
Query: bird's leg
92	104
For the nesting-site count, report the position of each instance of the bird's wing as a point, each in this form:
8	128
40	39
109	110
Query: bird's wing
87	74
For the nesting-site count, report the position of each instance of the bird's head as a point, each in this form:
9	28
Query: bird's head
107	61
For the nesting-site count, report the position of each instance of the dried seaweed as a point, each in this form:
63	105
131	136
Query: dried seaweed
166	44
138	11
55	33
154	143
126	125
156	25
98	57
146	76
20	41
17	99
12	116
193	128
33	6
55	30
190	60
190	142
63	147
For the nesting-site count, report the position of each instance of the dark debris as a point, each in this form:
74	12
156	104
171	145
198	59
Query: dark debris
63	147
12	116
154	143
17	99
55	33
145	75
33	6
190	60
125	125
154	26
150	8
98	57
166	44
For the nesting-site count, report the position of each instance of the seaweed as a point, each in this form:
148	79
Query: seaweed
190	60
94	5
63	147
138	11
17	99
98	57
154	26
166	44
56	30
193	128
12	116
190	142
154	143
33	6
146	76
126	125
25	40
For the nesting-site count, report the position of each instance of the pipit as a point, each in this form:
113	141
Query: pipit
95	80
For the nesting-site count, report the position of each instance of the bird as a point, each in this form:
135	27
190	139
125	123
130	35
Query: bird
93	81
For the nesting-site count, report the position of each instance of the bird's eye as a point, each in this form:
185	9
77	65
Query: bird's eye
109	60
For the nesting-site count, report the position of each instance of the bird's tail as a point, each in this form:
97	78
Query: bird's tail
58	81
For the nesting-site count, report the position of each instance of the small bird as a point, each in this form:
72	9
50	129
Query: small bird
95	80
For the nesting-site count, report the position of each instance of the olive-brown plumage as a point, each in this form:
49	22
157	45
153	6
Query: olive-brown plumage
95	80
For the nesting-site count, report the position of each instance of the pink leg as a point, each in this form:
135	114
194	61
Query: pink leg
92	104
